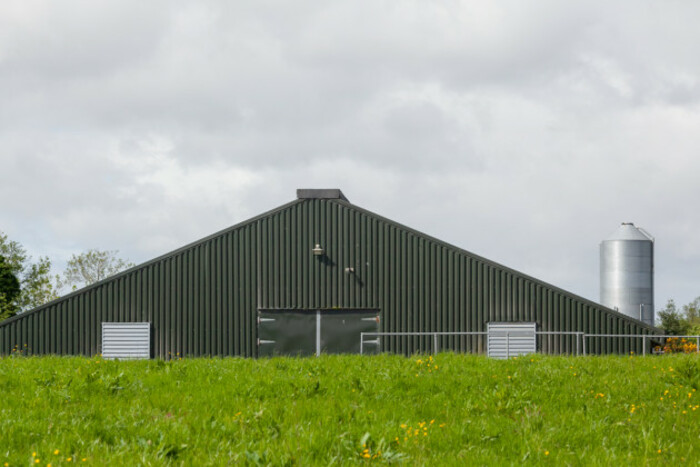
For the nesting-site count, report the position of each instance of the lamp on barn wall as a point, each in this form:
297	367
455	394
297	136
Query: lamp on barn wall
318	251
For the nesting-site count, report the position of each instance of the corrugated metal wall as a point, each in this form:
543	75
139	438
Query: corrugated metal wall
202	299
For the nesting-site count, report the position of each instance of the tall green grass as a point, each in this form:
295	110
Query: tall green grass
451	410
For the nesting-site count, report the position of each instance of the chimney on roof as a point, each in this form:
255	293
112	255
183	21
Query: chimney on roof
320	193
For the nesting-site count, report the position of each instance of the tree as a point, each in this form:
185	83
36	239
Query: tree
37	285
9	290
671	320
92	266
14	254
692	315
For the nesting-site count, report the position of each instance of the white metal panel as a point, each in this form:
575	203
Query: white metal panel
509	339
126	340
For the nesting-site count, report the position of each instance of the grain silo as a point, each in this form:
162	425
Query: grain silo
627	272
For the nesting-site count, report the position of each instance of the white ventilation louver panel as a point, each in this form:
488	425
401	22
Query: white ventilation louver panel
126	340
507	340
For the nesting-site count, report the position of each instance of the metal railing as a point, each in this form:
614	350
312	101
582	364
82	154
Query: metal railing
644	338
581	337
435	335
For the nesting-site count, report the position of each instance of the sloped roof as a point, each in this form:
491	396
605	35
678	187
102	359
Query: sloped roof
628	231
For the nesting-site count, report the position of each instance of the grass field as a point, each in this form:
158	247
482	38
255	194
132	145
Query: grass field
449	410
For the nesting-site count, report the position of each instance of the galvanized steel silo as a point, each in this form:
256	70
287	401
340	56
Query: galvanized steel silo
627	272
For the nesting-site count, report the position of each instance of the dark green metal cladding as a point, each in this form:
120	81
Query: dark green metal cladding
203	299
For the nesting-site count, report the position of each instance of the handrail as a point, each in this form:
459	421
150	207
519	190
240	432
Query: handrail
580	341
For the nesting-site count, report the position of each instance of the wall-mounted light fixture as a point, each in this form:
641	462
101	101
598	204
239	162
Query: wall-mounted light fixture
318	251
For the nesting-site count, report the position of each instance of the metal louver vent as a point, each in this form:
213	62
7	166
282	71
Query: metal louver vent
126	340
506	340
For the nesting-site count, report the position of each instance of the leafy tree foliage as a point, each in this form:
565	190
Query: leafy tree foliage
672	321
92	266
9	290
37	285
14	254
692	315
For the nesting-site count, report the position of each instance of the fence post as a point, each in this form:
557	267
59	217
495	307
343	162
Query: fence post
362	341
644	345
577	345
697	344
435	343
507	345
583	340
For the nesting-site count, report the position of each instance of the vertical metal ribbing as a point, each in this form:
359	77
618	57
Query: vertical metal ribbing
287	239
441	302
187	303
251	292
176	303
190	303
227	295
429	302
216	297
382	297
159	303
468	315
203	312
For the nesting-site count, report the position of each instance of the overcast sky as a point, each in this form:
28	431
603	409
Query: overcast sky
523	131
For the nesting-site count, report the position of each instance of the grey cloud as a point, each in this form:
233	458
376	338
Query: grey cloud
523	131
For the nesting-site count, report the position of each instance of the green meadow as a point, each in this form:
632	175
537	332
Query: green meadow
351	410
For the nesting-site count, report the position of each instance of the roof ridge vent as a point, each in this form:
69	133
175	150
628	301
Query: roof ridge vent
320	193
